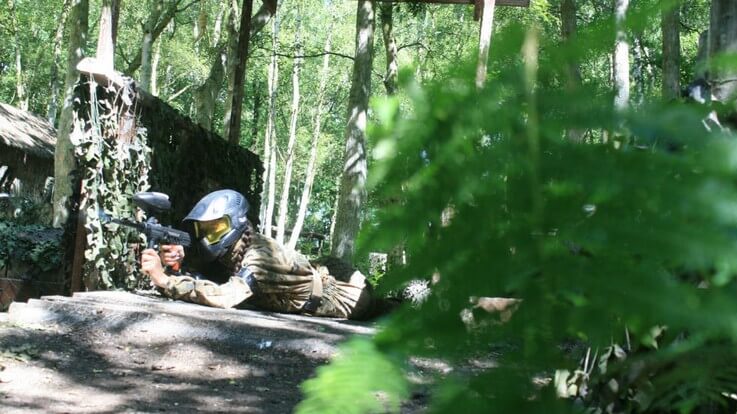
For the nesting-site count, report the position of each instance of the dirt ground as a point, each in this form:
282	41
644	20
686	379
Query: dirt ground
100	356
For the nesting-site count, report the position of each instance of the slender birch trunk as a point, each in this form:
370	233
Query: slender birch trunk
20	84
395	256
312	163
149	30
155	69
269	177
289	164
621	64
218	26
255	110
54	84
386	13
352	193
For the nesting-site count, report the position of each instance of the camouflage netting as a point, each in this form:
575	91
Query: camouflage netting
113	164
129	141
188	161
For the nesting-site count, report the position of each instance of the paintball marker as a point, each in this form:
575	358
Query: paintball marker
153	204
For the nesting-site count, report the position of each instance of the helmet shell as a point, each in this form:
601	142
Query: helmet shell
213	206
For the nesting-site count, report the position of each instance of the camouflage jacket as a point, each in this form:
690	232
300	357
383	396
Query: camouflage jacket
271	277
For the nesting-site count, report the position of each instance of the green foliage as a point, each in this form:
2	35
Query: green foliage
358	371
32	245
595	238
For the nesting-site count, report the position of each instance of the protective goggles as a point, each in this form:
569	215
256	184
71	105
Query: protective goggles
212	231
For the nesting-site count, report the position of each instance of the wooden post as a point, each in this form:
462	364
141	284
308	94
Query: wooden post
80	243
487	26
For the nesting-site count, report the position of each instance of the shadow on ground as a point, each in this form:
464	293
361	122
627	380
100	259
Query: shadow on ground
112	352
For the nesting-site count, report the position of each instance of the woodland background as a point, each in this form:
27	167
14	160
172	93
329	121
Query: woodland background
592	176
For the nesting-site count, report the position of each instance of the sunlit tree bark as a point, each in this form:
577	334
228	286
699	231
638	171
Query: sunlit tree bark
64	161
54	83
312	163
269	178
352	193
289	163
621	60
149	30
723	39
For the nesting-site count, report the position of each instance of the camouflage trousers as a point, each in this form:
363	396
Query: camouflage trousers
277	279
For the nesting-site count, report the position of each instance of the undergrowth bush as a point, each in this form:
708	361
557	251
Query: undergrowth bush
603	241
31	245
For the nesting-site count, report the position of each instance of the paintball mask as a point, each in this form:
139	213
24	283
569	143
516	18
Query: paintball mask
219	220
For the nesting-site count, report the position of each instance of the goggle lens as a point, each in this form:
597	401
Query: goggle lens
212	231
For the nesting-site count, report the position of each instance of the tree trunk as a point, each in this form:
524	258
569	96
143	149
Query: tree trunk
312	163
258	21
206	94
702	57
115	18
149	28
386	13
670	25
200	26
230	61
487	29
395	256
105	39
155	69
244	33
255	110
218	26
289	164
352	193
54	85
638	70
269	177
64	161
163	18
568	33
568	28
723	39
621	61
20	84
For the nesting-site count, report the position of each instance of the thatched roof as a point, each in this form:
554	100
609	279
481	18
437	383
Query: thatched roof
26	132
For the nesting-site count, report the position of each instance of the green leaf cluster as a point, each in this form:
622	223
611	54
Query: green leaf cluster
33	246
634	228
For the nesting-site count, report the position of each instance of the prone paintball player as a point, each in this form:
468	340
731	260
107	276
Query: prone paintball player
243	267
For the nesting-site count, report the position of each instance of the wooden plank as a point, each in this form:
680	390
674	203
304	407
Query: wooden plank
513	3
